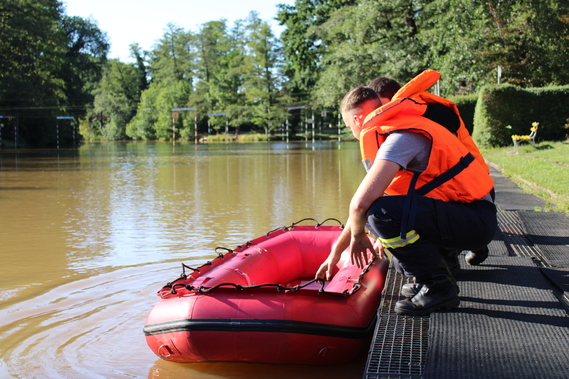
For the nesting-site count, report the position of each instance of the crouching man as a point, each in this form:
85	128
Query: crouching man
424	194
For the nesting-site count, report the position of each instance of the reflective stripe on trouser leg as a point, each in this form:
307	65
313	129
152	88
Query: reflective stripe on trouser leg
397	242
418	256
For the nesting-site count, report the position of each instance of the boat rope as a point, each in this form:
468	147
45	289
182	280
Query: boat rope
318	224
278	287
171	287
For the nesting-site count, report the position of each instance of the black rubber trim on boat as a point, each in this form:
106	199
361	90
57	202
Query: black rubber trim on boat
266	326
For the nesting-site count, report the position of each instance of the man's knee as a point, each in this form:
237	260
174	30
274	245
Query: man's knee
384	215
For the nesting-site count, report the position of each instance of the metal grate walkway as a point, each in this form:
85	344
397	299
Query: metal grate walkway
400	345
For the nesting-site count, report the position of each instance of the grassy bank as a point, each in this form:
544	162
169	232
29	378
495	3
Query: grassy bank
542	171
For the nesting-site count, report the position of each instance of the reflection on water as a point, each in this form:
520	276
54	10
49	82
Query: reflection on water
88	236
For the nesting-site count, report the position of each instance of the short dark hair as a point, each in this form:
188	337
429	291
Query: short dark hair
384	86
356	97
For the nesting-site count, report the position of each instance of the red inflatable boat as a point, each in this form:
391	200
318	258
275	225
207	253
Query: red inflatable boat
259	303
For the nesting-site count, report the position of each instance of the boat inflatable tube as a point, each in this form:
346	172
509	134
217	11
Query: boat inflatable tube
260	303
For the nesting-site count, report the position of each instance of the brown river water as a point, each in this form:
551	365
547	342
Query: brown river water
89	235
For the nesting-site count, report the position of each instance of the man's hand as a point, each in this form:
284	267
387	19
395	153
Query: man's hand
326	268
359	248
379	249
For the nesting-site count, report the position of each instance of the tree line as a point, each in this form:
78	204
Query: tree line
243	76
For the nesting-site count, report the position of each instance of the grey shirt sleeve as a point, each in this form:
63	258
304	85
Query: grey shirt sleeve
409	150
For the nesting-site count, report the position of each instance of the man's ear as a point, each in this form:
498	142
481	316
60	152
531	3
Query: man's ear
359	119
355	117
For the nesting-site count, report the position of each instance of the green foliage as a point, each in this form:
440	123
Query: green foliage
32	47
117	96
465	40
154	117
494	112
303	46
466	105
550	107
87	130
85	59
221	55
261	83
141	65
376	38
142	125
468	39
215	70
49	59
253	137
452	31
508	105
527	39
50	63
56	64
242	138
174	57
213	43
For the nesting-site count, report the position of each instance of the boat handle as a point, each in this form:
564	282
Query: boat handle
167	348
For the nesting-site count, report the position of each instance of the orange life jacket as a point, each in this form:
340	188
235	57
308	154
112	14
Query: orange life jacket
452	173
416	89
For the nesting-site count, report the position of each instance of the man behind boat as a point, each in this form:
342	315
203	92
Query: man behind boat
443	112
424	193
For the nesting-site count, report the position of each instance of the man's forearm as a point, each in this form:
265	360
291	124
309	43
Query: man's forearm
343	240
358	221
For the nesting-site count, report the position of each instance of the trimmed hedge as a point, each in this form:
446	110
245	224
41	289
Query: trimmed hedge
501	105
466	105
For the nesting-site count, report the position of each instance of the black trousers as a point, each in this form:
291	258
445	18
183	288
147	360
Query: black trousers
441	226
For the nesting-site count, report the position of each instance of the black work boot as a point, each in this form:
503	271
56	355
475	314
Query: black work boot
475	257
452	261
411	289
438	291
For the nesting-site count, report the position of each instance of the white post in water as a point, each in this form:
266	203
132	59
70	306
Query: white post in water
313	126
339	127
301	120
195	128
57	126
175	116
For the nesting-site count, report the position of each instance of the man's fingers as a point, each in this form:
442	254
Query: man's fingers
364	259
322	272
360	259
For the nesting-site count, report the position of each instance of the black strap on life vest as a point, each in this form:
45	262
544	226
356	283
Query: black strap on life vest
410	206
463	163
